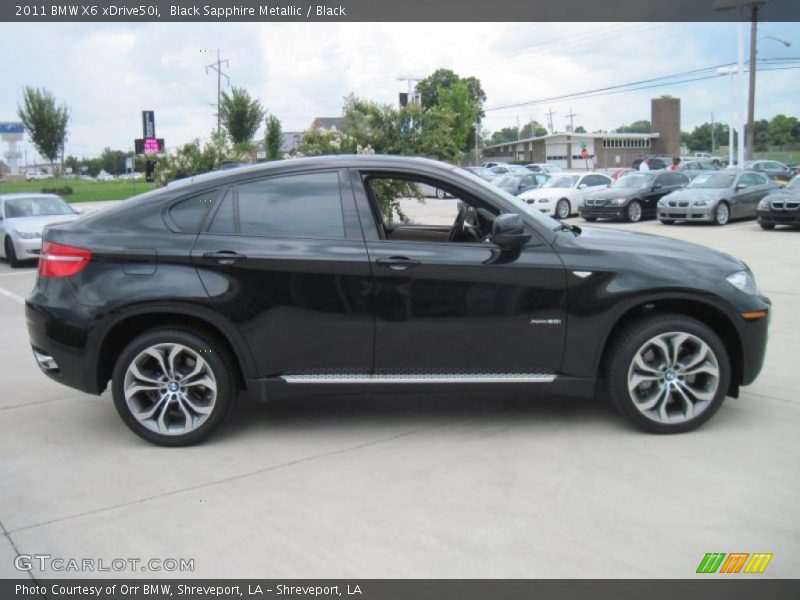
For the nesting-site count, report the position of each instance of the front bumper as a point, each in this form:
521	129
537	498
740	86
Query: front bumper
602	212
27	249
754	335
686	213
779	217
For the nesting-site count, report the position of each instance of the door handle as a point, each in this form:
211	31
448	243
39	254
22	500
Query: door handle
397	263
225	257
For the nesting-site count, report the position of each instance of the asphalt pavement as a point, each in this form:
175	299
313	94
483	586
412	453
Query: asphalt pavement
440	485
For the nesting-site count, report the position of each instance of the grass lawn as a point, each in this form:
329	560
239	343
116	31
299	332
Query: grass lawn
82	191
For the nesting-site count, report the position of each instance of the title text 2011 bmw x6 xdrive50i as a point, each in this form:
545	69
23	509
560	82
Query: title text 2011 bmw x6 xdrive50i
325	274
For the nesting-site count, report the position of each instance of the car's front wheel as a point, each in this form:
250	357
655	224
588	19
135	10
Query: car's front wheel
563	209
722	214
634	211
766	226
11	254
173	386
668	373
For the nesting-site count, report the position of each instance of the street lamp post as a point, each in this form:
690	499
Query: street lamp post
731	72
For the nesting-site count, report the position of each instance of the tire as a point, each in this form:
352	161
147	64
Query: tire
722	214
766	226
590	219
705	390
208	408
11	254
668	221
633	213
563	209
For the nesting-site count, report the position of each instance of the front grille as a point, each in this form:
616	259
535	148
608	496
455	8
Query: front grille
784	204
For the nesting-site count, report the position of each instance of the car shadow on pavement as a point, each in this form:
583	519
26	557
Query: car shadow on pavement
416	411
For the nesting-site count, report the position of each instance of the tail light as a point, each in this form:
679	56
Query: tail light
60	260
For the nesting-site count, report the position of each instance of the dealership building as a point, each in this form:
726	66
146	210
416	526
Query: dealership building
600	149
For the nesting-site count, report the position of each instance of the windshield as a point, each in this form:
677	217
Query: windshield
713	180
37	206
481	172
561	181
794	184
509	179
633	181
553	168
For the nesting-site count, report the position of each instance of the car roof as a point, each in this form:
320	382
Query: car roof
338	161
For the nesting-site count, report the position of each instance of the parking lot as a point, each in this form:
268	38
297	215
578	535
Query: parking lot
434	486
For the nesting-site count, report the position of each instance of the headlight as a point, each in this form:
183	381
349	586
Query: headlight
618	201
763	205
744	281
28	235
699	203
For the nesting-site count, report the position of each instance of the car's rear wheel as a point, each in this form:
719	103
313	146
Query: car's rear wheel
722	214
174	387
766	226
11	254
563	208
668	373
634	211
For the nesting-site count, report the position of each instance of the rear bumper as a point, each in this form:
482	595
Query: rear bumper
777	217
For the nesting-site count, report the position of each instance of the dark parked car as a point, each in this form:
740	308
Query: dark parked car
295	277
515	183
781	207
654	162
633	197
776	170
716	197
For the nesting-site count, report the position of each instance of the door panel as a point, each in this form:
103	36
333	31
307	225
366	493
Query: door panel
467	308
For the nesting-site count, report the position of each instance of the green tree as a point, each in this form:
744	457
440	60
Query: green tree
642	126
241	115
783	131
45	121
760	138
273	138
580	129
193	159
440	79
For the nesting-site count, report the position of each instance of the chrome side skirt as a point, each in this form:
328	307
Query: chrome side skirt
402	378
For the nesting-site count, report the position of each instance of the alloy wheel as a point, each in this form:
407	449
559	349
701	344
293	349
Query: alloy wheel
722	213
673	377
634	212
170	389
562	209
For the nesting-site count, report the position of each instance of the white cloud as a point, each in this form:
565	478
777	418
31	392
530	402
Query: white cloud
108	73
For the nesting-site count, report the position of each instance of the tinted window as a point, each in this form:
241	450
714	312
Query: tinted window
224	220
188	215
760	179
295	206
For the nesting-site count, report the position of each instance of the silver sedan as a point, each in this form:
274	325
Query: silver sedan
23	217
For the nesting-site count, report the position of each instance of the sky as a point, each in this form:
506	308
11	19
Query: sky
109	72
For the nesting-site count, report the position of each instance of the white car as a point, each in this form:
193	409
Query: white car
547	168
36	175
104	176
562	195
23	217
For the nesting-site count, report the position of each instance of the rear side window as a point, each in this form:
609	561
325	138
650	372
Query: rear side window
306	205
188	215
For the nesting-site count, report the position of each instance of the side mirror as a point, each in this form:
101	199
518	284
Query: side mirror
657	186
508	231
741	186
582	186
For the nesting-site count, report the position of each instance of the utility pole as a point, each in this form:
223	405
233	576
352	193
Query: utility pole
571	116
751	96
411	80
217	66
713	139
517	127
550	114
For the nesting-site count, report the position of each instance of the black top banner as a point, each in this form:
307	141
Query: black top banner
396	10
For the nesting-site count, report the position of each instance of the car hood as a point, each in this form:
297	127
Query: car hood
37	224
610	193
672	261
784	194
711	194
545	193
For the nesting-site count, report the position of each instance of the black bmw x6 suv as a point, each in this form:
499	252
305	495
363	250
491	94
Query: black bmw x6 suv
335	274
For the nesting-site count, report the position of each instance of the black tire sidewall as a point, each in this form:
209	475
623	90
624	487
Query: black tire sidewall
629	342
11	254
766	226
217	358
